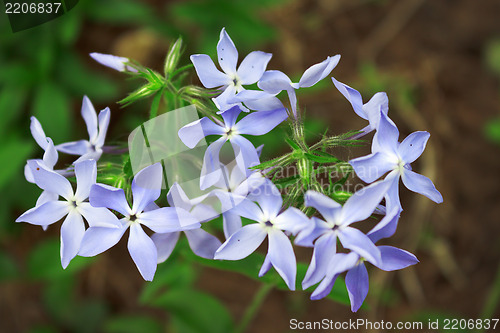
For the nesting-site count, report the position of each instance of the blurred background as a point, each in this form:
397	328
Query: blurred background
439	62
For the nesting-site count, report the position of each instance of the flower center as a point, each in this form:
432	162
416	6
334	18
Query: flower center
268	224
132	218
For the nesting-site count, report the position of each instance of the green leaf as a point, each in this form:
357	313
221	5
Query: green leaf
13	155
324	158
44	261
132	324
51	107
492	130
198	311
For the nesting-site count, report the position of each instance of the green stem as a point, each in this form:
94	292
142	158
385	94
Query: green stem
493	298
253	307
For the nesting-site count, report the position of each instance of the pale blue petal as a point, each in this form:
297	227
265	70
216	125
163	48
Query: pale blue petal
339	263
146	187
98	239
265	104
165	244
357	284
417	183
112	61
323	204
176	197
260	123
358	242
378	103
242	243
209	75
211	170
253	66
353	96
38	133
318	72
168	219
72	231
325	248
98	216
227	55
86	173
102	195
248	209
245	153
75	147
269	199
231	223
266	266
386	138
371	167
143	251
50	181
282	257
46	196
45	214
204	213
387	226
202	243
274	81
413	146
50	156
90	117
311	232
192	133
222	102
324	288
362	203
104	117
230	116
292	220
394	258
293	101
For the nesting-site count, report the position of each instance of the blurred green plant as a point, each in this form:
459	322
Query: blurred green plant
492	59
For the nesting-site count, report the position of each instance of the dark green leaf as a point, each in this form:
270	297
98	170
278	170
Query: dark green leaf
8	267
13	155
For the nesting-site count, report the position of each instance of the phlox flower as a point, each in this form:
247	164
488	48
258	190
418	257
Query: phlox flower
388	155
201	242
356	280
256	123
146	188
230	80
73	206
96	127
271	223
337	225
274	81
369	111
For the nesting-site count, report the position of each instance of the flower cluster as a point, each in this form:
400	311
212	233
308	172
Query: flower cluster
308	214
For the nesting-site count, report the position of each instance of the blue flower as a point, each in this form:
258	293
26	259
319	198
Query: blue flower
73	206
337	225
274	81
370	110
112	61
257	123
271	223
201	242
96	127
390	155
391	259
146	188
230	80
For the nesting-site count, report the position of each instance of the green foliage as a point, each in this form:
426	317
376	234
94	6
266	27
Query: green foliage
13	155
492	130
132	324
492	56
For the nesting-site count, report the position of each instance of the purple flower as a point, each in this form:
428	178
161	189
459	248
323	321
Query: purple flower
112	61
201	242
271	223
96	127
370	110
146	188
274	81
337	225
391	259
257	123
390	155
230	80
73	206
